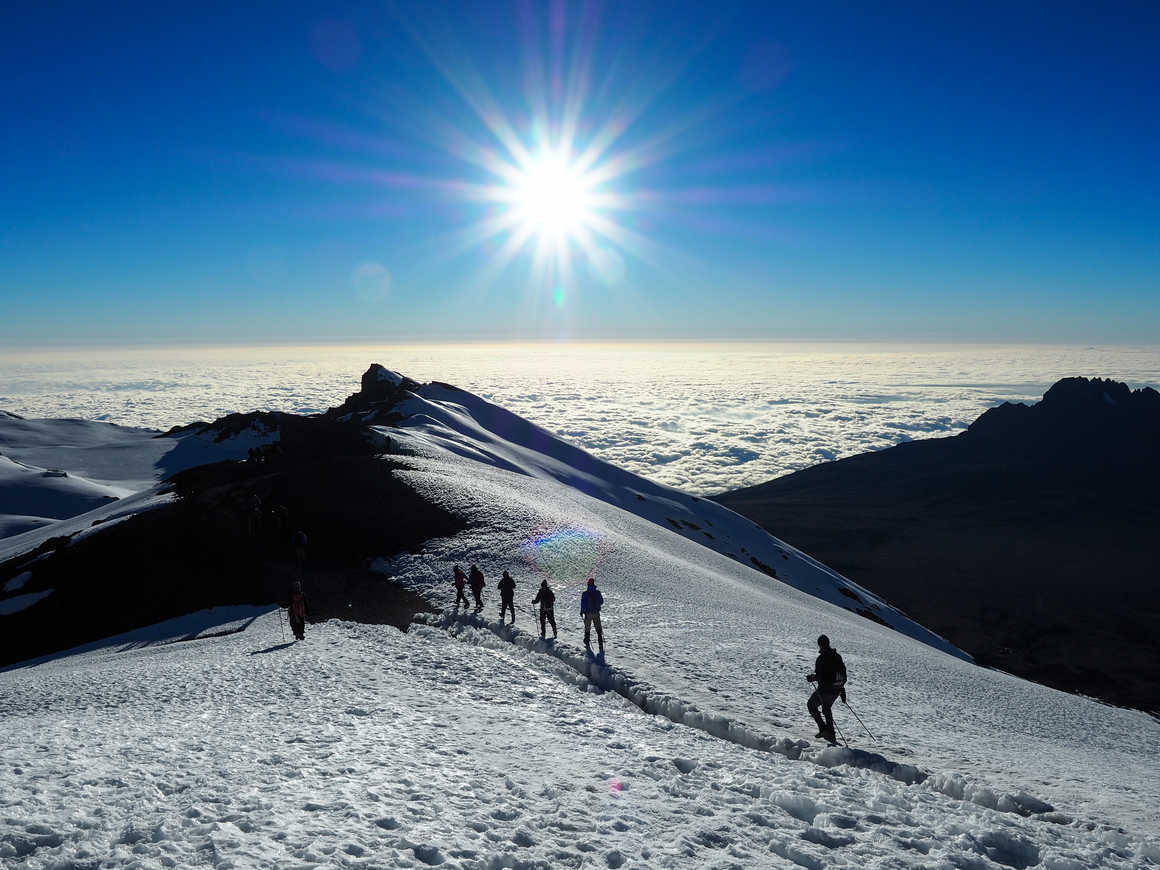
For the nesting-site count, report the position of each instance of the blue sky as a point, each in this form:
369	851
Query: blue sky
302	172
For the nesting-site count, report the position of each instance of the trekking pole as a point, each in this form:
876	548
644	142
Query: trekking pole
281	623
860	722
840	734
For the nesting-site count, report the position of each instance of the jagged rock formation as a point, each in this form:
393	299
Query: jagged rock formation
1028	540
379	391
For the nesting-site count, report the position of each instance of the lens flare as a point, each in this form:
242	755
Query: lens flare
565	556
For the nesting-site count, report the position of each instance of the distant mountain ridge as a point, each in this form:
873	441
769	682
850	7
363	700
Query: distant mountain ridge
1072	411
1026	540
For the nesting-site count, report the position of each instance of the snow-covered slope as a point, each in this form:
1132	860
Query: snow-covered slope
460	423
706	640
58	469
26	490
365	747
123	456
469	744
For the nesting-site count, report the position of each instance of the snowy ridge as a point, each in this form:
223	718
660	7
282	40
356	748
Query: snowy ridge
88	523
35	493
56	470
445	419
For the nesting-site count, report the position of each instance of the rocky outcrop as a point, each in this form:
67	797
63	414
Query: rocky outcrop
1089	415
380	390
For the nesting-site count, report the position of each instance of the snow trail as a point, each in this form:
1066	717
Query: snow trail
595	672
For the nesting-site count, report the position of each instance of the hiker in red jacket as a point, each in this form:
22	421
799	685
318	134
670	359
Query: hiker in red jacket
460	581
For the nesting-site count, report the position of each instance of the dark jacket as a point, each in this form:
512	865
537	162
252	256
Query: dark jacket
546	598
507	588
477	579
591	601
299	609
830	670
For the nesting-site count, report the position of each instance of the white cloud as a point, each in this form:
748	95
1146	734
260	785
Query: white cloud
681	415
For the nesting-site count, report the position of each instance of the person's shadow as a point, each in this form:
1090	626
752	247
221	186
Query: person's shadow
270	649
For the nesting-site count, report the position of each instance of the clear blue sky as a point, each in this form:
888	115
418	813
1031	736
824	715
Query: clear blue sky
297	172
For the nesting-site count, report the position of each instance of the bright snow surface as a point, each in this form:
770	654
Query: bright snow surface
467	744
365	747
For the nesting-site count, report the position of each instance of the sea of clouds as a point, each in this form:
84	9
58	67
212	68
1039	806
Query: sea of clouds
702	417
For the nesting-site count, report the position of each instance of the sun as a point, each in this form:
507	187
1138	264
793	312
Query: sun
552	198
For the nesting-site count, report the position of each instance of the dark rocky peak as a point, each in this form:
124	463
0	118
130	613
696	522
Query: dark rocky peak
261	422
380	389
1082	393
1077	415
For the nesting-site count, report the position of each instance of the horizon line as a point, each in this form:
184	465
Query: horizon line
363	342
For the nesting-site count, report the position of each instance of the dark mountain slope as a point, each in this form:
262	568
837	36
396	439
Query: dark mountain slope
227	539
1029	540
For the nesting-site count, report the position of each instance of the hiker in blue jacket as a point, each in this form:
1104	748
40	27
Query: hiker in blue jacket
590	603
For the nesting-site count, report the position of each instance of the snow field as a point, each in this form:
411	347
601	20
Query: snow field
730	643
365	747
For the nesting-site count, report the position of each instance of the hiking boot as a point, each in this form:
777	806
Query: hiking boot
828	734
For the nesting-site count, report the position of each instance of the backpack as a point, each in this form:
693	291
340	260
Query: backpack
839	674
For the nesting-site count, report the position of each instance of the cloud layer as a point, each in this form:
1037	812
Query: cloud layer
705	418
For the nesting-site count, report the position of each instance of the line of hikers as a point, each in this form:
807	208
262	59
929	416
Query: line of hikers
590	601
829	669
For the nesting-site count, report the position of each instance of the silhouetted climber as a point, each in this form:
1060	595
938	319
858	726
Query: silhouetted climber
590	603
298	610
546	598
507	594
460	581
475	577
299	543
830	675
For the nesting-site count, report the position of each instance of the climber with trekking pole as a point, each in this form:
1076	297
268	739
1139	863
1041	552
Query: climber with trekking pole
830	675
546	598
